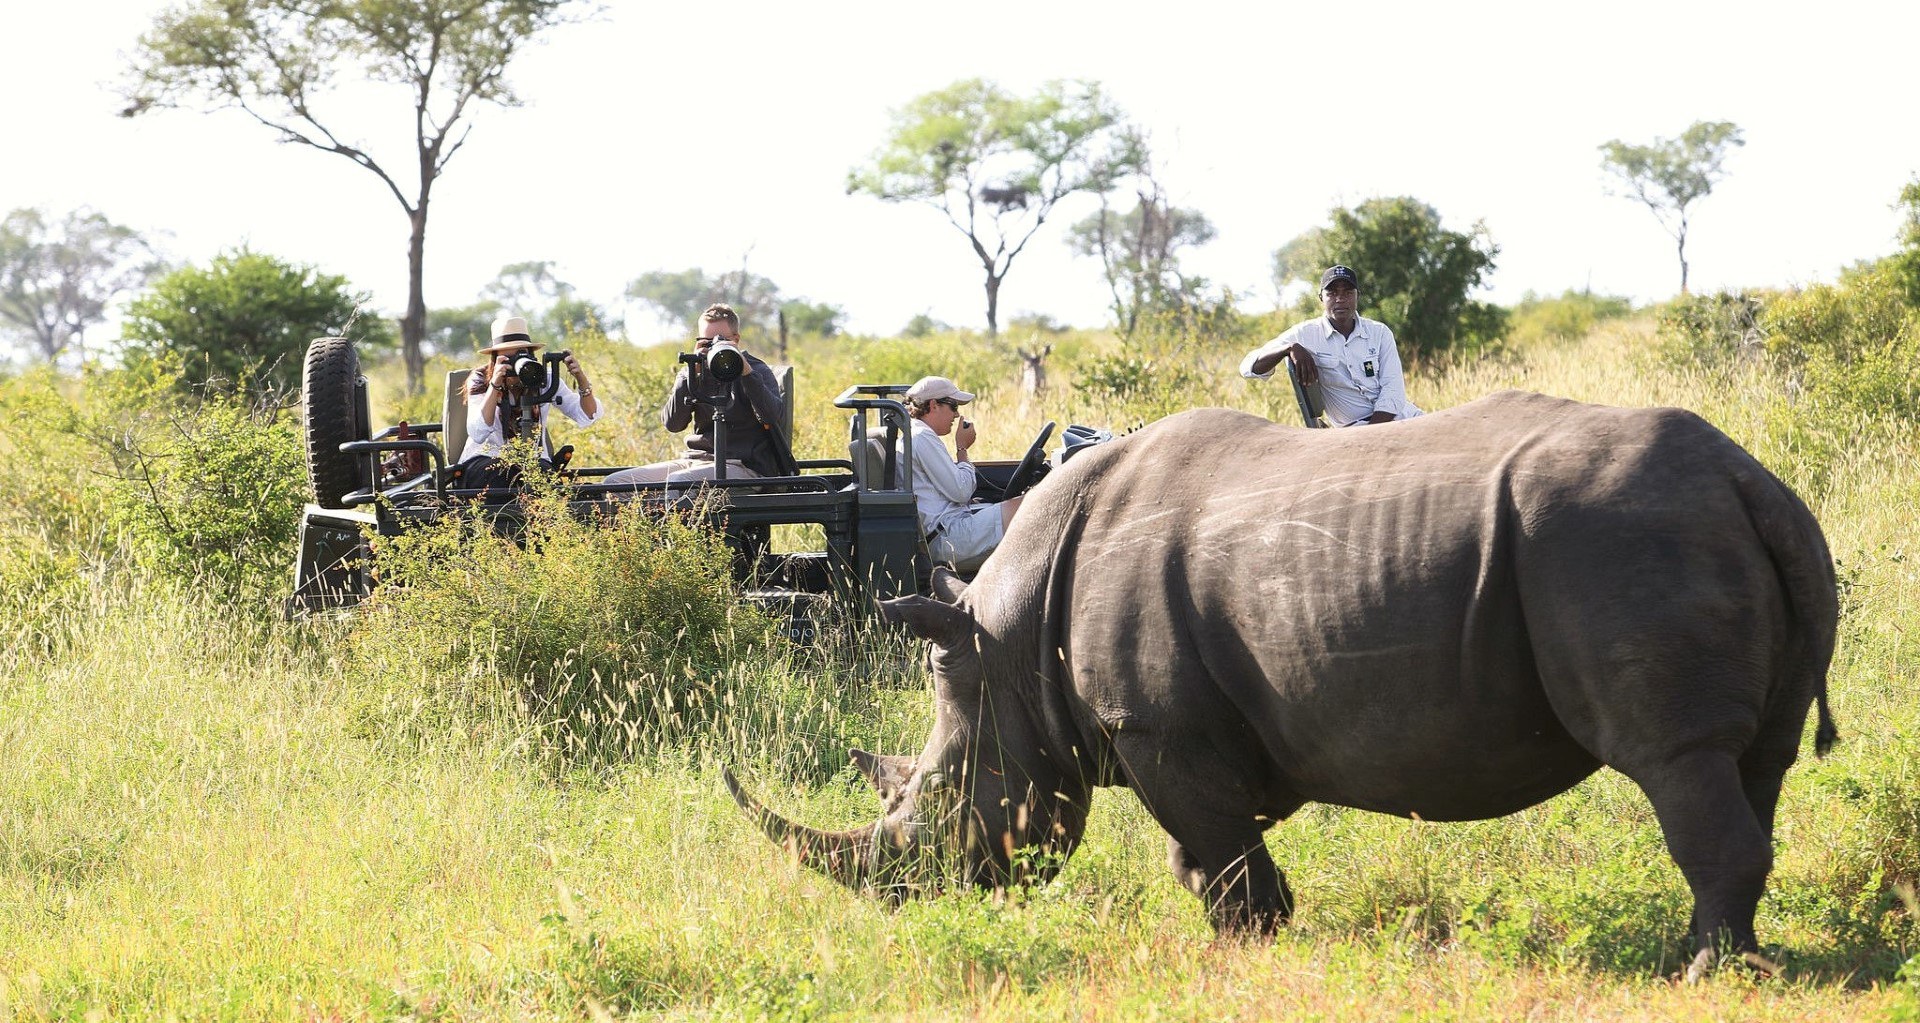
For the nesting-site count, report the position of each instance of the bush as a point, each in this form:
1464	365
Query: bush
607	635
1856	342
210	493
1714	331
1571	316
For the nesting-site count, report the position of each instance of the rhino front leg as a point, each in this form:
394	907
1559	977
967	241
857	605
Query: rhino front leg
1249	894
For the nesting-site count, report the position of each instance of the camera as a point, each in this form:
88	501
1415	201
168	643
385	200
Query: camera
724	361
528	370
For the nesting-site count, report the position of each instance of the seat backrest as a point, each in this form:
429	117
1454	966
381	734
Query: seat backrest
783	379
453	415
1307	397
869	457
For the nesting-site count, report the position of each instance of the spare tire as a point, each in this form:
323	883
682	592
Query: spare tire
334	404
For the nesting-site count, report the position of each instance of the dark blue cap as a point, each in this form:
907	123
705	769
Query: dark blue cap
1339	273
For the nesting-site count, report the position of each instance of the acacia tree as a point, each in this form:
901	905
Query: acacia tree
56	281
275	60
1139	252
1671	174
1415	275
996	165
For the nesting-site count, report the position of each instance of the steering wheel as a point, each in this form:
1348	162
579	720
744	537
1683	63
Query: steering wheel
1029	468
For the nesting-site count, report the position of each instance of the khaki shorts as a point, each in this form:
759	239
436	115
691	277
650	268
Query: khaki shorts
965	540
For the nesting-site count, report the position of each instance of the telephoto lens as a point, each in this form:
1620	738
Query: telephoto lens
725	361
528	370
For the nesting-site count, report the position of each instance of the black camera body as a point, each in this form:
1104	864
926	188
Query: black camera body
723	361
522	366
539	377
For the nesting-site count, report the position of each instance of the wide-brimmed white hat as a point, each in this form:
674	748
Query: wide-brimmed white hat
928	389
510	332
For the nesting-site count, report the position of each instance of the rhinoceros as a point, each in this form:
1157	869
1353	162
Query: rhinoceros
1450	618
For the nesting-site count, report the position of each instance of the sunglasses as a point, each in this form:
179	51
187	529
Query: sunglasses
948	402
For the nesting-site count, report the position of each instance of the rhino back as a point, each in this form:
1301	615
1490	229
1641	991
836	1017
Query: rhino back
1413	619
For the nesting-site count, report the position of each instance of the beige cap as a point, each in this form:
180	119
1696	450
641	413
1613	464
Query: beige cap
933	388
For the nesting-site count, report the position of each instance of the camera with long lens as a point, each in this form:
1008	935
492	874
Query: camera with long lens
527	369
723	360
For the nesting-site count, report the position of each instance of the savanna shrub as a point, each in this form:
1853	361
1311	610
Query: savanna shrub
211	494
609	632
1714	331
1568	317
1856	342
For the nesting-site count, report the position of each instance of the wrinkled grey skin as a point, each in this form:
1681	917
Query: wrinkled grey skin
1450	618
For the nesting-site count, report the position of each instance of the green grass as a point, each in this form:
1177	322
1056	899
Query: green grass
207	813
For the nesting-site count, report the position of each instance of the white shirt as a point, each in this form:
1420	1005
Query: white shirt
1359	373
942	487
484	438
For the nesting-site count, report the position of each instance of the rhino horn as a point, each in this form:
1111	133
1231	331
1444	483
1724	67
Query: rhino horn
845	856
888	774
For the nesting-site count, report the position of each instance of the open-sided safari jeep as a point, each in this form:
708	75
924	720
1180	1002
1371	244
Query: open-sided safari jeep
366	482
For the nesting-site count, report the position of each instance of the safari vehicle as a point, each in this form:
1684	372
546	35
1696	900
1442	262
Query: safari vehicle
366	483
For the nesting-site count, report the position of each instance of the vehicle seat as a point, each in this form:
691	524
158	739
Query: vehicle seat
453	417
1307	397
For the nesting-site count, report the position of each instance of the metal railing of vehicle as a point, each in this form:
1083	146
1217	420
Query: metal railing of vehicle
379	443
892	408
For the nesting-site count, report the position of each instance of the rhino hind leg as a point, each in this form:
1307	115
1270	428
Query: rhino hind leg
1720	841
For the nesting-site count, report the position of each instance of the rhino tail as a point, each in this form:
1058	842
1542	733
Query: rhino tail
1799	551
1824	733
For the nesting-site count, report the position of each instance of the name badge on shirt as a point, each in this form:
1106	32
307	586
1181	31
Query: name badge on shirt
1368	367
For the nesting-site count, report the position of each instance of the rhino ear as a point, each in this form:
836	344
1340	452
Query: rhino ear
888	774
948	586
944	625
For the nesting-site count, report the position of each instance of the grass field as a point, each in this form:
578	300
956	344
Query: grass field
209	813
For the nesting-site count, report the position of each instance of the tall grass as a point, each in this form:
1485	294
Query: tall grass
407	813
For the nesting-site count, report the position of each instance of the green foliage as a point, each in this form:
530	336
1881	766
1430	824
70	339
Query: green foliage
1415	275
57	282
812	319
209	493
1139	253
245	320
1716	331
127	471
681	296
1669	175
996	165
1569	317
274	59
617	630
552	307
1857	342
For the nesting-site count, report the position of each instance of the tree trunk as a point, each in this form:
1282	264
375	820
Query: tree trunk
413	326
1680	239
993	305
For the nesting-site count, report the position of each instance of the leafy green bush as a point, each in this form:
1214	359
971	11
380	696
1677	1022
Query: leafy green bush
1857	342
608	635
211	492
1568	317
1713	331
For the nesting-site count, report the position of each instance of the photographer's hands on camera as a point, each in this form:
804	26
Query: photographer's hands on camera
502	377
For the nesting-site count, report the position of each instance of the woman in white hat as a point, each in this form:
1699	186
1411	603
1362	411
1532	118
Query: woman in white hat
958	532
496	414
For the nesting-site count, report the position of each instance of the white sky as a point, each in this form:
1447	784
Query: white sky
1263	116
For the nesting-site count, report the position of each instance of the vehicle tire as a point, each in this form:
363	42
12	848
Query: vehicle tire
334	408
